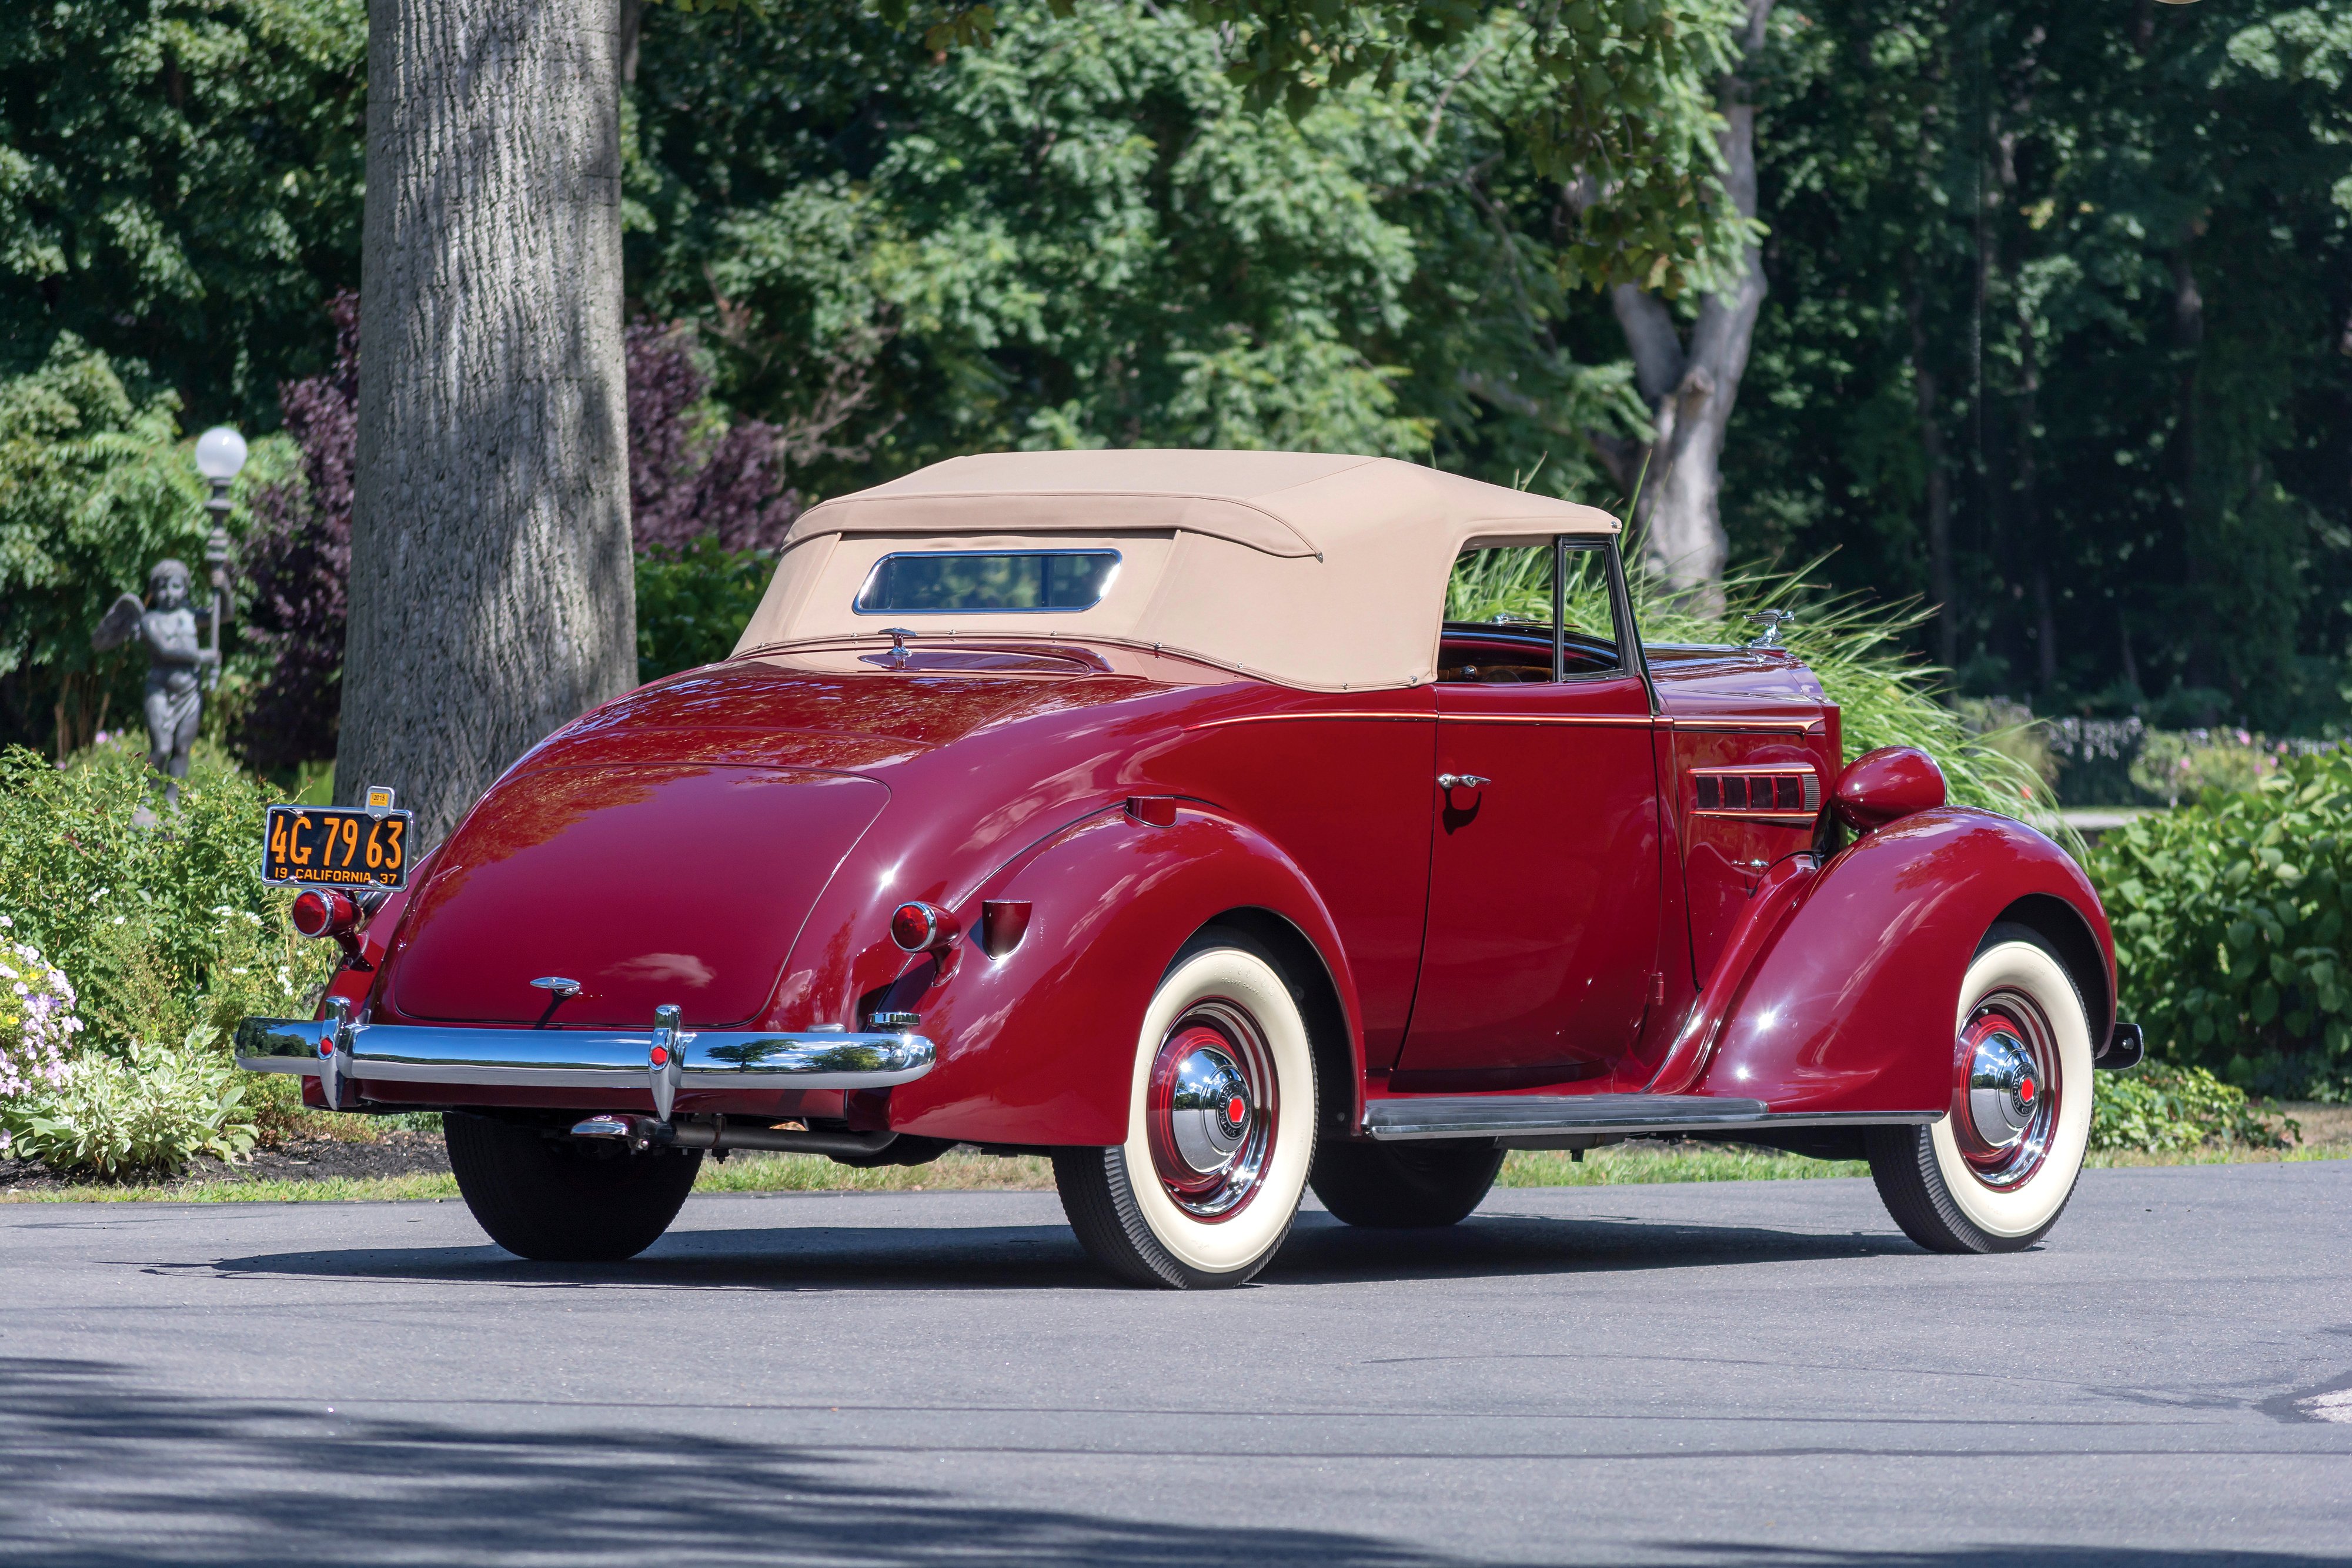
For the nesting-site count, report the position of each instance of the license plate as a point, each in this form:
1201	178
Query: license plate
335	846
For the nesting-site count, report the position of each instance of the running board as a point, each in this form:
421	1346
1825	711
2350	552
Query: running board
1563	1115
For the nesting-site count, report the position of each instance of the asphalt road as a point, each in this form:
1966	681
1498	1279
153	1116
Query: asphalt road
1759	1373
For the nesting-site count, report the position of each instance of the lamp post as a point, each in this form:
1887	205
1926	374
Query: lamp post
220	453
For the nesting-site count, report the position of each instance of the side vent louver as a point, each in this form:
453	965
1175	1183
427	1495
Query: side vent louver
1777	793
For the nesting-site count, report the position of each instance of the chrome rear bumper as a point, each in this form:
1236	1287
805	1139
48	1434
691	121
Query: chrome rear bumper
661	1060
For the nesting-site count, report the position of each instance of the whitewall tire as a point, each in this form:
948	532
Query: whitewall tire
1994	1175
1221	1127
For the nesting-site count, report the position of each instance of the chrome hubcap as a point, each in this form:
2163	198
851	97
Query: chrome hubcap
2009	1104
2002	1089
1209	1110
1208	1113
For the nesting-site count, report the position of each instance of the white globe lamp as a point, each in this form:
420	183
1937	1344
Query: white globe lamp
220	453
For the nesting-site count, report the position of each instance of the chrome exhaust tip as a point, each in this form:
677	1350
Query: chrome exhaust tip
623	1127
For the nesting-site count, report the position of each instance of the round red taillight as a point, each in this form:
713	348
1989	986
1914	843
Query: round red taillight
921	927
321	914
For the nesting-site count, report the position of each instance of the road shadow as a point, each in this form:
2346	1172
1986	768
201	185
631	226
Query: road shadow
1741	1554
102	1473
98	1470
1321	1252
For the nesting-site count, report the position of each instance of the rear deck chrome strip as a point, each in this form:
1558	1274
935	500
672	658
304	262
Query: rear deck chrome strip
584	1059
1545	1115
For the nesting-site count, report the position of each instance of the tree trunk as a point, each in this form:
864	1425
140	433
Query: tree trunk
1691	389
492	592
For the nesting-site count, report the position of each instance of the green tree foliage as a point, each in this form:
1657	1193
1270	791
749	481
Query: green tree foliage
2088	269
2084	271
1080	235
1619	105
693	602
2231	929
179	184
96	486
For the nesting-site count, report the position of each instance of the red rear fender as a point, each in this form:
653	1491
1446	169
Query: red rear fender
1038	1045
1849	1004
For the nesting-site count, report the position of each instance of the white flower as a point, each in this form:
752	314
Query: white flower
118	920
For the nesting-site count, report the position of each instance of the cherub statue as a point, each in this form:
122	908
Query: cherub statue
176	664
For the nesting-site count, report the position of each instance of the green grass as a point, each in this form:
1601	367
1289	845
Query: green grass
1624	1166
324	1189
964	1171
959	1170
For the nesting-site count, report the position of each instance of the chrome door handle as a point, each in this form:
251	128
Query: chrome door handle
1463	780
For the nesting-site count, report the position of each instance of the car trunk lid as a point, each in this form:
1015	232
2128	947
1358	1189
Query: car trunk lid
646	883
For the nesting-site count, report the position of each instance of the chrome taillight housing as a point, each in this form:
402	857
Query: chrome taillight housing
319	912
920	927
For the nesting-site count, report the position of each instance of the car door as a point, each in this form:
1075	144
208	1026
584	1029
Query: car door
1542	933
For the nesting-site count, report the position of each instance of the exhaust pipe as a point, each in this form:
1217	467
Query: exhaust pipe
717	1136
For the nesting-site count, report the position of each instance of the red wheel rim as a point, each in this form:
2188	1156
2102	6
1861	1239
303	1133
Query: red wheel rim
1210	1108
2005	1110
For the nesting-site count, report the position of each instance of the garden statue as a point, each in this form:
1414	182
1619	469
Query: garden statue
175	665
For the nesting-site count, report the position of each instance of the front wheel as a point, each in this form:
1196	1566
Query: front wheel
1220	1128
565	1200
1994	1174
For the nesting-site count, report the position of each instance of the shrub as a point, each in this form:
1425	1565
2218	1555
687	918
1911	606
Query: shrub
705	496
37	1023
693	602
163	927
693	475
2230	916
153	1108
299	561
2163	1109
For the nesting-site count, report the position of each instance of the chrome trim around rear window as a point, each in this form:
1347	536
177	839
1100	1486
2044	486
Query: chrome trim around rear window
585	1059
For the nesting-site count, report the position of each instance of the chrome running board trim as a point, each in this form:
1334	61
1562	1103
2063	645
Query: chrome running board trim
585	1059
1547	1116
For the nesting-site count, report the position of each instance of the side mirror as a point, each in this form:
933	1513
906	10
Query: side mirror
1880	787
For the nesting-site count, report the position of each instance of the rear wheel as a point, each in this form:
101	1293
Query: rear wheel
1220	1128
1994	1175
1399	1186
565	1200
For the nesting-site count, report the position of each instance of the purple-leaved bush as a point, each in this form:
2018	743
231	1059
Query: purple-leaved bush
687	481
298	557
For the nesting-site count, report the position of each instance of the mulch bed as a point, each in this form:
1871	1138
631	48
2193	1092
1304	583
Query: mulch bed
398	1152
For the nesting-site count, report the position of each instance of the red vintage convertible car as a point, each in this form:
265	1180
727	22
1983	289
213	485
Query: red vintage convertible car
1143	810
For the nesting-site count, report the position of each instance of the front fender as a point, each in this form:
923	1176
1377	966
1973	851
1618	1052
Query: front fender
1038	1047
1849	1006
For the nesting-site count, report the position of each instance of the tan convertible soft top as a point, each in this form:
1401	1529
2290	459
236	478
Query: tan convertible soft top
1312	570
